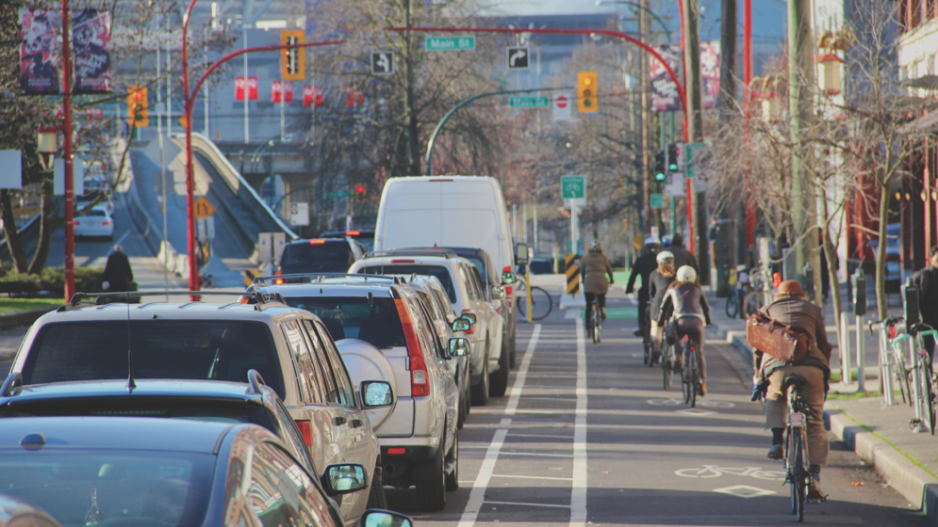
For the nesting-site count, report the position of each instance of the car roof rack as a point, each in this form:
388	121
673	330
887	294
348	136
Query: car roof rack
429	251
269	280
256	382
100	299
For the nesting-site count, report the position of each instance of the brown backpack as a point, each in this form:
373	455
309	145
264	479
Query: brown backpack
782	341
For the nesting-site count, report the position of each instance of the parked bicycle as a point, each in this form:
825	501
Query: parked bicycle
738	293
894	367
690	374
541	303
923	382
797	465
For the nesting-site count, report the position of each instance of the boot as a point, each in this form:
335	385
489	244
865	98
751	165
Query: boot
776	452
814	489
703	389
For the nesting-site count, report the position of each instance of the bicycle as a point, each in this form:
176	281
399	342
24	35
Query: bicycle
690	374
893	364
541	304
595	327
797	464
755	298
737	294
923	392
667	364
647	341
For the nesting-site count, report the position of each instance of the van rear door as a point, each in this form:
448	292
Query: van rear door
413	215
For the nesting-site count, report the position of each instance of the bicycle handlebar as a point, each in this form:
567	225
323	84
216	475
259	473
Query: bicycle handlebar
896	341
888	321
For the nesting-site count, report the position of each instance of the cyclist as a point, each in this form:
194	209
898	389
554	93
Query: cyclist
644	266
658	284
682	256
593	270
927	282
685	305
791	307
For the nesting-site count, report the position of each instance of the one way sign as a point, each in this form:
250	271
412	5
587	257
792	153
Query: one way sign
382	63
518	58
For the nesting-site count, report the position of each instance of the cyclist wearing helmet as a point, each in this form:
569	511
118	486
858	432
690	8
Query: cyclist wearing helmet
643	266
593	270
658	284
685	305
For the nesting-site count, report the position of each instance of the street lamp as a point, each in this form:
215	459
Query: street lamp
47	145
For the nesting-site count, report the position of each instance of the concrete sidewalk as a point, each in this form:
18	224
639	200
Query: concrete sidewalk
879	435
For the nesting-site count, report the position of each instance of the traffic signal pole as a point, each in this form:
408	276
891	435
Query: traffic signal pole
69	162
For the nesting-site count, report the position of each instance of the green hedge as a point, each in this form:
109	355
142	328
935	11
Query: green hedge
87	280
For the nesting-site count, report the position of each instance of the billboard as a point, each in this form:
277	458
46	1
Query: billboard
39	73
709	73
664	94
91	38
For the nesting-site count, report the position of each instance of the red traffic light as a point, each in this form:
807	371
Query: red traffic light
360	189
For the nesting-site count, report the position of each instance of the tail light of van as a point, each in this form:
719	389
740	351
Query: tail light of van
105	222
509	290
472	327
353	233
317	242
419	383
278	281
306	430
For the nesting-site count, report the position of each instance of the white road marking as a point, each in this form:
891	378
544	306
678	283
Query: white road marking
745	491
520	504
532	454
530	477
540	435
578	493
481	483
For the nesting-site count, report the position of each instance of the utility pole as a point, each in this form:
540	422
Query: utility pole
800	76
724	256
698	200
648	219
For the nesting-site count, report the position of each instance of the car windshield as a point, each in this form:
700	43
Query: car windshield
113	488
162	349
440	272
354	318
319	258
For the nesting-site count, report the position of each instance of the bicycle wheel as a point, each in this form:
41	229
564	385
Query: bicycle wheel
902	375
692	371
732	304
597	324
666	368
753	301
927	395
541	304
797	474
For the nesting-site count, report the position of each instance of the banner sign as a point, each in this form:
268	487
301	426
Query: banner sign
276	90
288	92
252	88
239	88
39	74
90	42
709	73
664	95
307	96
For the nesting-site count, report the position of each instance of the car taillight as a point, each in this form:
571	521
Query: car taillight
306	430
106	223
243	300
353	233
278	281
396	451
419	384
76	223
402	261
472	327
317	242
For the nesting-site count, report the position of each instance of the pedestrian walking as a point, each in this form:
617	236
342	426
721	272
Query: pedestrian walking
118	276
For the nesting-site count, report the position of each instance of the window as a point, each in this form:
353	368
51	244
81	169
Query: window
440	272
346	391
162	349
376	323
330	387
305	378
281	492
467	281
479	283
431	331
329	257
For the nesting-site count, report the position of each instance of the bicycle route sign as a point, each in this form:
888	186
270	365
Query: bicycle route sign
573	187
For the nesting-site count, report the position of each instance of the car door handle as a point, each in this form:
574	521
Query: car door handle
356	423
339	421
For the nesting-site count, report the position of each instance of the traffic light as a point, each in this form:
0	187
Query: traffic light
360	192
587	94
660	173
137	103
292	61
672	157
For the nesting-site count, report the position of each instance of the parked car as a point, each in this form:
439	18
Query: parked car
538	266
252	402
96	223
448	211
488	365
381	328
289	348
141	471
364	237
18	513
333	255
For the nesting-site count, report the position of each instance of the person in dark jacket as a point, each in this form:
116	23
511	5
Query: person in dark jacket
685	305
682	256
658	284
926	280
117	272
791	308
643	267
594	268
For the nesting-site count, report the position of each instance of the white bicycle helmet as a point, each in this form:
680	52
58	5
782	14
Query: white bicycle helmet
686	274
665	257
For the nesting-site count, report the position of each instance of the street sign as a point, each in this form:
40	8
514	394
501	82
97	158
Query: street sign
265	247
696	156
561	105
382	63
529	102
676	186
518	58
451	43
202	208
299	213
573	187
205	228
657	201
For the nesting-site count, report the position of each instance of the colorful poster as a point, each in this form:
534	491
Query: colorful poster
252	88
288	92
709	73
276	90
91	37
307	96
664	94
39	57
239	88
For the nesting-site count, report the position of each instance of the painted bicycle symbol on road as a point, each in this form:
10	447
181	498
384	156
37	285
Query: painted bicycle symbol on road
680	402
713	471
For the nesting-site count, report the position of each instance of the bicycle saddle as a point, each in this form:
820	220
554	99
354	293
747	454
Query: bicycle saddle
794	380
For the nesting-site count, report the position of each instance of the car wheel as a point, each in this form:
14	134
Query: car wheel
480	392
452	475
431	493
500	378
376	497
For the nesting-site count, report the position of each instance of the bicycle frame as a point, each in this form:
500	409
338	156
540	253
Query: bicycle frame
916	351
797	475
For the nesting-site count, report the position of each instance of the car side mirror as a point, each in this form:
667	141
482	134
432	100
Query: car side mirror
344	478
461	324
498	292
457	346
382	518
471	317
376	394
521	254
509	278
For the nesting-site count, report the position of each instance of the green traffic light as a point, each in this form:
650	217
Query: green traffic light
660	176
587	102
672	167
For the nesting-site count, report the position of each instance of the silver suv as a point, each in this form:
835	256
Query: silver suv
291	350
382	328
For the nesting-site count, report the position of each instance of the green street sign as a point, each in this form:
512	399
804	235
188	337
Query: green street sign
573	187
657	201
693	153
450	43
529	102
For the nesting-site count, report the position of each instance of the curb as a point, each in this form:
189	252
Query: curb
914	483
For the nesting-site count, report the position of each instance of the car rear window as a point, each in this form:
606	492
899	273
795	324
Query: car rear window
162	349
320	258
440	272
355	318
96	213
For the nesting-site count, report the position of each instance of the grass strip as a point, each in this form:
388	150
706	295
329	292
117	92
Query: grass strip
10	304
879	436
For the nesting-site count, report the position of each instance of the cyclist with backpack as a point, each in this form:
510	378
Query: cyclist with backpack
685	305
593	270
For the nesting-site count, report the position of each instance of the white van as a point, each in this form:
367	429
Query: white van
449	211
